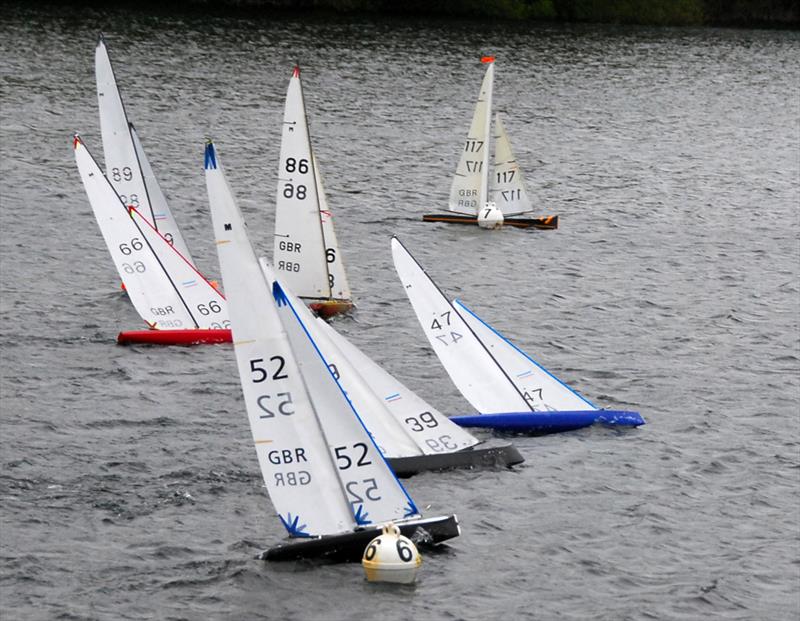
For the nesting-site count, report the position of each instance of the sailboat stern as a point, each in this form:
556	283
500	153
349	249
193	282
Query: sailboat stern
349	547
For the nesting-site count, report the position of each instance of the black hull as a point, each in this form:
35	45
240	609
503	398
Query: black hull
349	547
545	222
490	454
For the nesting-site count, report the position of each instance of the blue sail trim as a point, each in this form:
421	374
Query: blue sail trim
291	525
281	298
210	157
361	516
581	397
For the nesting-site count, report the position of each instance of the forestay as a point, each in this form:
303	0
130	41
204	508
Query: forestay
385	430
469	190
127	167
337	277
143	258
206	304
299	259
468	363
507	189
311	446
431	430
373	491
542	390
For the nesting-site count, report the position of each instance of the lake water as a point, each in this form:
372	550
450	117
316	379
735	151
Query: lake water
129	484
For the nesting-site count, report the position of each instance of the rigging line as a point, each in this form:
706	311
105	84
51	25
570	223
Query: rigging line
164	269
455	310
316	185
136	224
131	130
102	41
347	400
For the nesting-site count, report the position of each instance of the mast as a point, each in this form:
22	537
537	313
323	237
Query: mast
487	131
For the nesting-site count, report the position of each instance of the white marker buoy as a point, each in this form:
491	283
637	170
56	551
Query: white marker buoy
490	217
391	557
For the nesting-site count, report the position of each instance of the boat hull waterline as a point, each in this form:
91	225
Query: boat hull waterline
544	222
483	455
198	336
328	308
349	547
550	422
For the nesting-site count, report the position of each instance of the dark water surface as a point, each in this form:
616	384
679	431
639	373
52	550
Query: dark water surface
129	484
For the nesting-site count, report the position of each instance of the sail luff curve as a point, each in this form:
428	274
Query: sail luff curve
468	191
471	367
292	453
298	256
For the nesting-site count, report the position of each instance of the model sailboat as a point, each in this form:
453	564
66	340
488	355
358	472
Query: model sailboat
127	167
510	390
483	196
178	304
325	476
306	255
411	434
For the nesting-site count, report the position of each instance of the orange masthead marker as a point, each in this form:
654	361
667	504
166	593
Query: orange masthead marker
487	59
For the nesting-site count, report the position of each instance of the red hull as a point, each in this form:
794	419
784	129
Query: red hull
174	337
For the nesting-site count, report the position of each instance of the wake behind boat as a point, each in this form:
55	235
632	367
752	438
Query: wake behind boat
306	253
327	480
507	387
478	196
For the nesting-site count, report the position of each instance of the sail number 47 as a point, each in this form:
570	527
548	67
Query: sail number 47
453	337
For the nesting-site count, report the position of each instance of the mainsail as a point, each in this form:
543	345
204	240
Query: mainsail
127	167
322	470
164	287
469	189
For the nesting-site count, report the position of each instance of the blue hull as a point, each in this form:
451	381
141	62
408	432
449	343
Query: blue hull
549	422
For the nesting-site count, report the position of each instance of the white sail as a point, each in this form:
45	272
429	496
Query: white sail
311	446
162	218
373	491
387	433
299	256
337	277
468	363
126	166
506	187
542	390
137	255
469	190
206	304
431	430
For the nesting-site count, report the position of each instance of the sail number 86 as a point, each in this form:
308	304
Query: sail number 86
293	165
